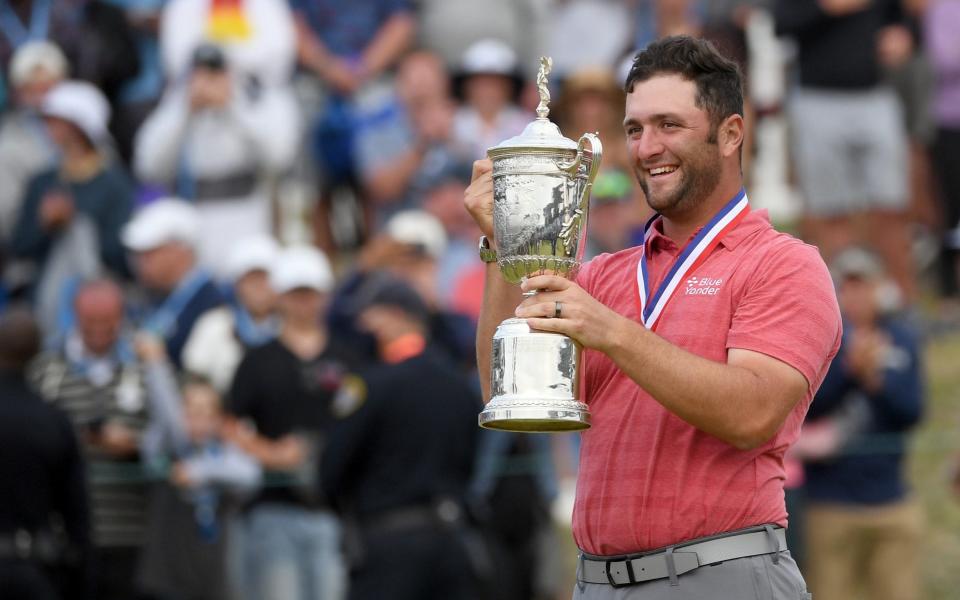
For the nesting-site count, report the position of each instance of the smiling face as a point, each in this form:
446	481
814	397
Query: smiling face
675	151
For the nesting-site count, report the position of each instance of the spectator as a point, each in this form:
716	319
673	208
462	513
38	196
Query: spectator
850	145
25	147
71	215
283	392
489	83
43	478
592	101
443	199
940	27
413	414
93	34
223	334
514	487
163	237
410	248
95	377
218	137
405	139
863	529
138	95
346	47
186	551
257	38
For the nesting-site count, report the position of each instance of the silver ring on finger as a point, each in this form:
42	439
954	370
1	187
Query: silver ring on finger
557	309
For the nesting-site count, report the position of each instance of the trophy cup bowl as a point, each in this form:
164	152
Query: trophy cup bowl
541	191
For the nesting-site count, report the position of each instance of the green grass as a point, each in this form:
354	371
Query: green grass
936	445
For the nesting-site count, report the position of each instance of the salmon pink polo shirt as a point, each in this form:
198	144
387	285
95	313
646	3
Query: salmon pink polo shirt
647	478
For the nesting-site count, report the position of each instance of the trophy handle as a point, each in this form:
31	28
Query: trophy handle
596	153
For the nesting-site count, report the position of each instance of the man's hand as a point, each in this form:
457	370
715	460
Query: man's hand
149	347
865	353
894	45
478	198
339	74
582	317
116	440
180	475
56	210
210	89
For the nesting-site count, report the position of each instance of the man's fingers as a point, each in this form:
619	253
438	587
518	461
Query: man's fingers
542	309
545	282
481	167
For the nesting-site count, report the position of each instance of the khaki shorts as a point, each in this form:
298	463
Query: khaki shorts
864	552
850	149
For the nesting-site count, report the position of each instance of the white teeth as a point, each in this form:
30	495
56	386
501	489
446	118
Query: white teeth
660	170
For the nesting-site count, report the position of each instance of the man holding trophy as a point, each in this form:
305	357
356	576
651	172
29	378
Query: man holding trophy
702	348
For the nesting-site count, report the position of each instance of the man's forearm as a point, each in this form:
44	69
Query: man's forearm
390	42
500	299
734	402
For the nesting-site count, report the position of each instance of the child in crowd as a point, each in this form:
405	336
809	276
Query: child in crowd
185	556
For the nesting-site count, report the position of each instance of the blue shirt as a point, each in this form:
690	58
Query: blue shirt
868	470
346	28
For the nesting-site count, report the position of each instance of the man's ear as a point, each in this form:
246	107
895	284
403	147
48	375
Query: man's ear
730	135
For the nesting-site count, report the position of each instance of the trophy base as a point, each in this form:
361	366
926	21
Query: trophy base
535	417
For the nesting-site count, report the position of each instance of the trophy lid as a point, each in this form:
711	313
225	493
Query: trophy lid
541	133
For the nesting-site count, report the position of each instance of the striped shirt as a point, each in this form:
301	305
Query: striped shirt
117	488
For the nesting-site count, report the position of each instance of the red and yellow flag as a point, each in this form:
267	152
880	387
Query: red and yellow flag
228	21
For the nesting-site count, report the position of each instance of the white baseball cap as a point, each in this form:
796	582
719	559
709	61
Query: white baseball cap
161	222
489	55
37	54
301	267
82	104
254	253
418	228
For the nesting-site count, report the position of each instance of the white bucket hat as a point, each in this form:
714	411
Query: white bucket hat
82	104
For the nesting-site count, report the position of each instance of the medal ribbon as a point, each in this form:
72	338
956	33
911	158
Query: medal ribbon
692	256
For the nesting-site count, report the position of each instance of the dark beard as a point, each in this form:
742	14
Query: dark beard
698	179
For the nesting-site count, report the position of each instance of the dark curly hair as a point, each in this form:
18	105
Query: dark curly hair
718	79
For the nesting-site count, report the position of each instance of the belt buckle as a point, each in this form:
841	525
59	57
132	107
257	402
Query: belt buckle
631	578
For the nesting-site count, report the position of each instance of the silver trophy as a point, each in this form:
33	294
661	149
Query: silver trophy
541	193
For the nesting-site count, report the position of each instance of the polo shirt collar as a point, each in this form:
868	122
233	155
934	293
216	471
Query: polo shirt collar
754	221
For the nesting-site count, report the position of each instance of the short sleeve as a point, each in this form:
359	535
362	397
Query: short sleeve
243	390
789	311
586	274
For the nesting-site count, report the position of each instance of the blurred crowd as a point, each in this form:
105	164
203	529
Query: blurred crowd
239	289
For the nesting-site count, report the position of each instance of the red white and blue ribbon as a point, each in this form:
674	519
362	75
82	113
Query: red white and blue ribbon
692	256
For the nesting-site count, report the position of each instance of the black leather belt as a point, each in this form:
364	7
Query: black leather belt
672	561
228	187
443	512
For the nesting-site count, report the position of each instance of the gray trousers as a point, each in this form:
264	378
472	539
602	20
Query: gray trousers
751	578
